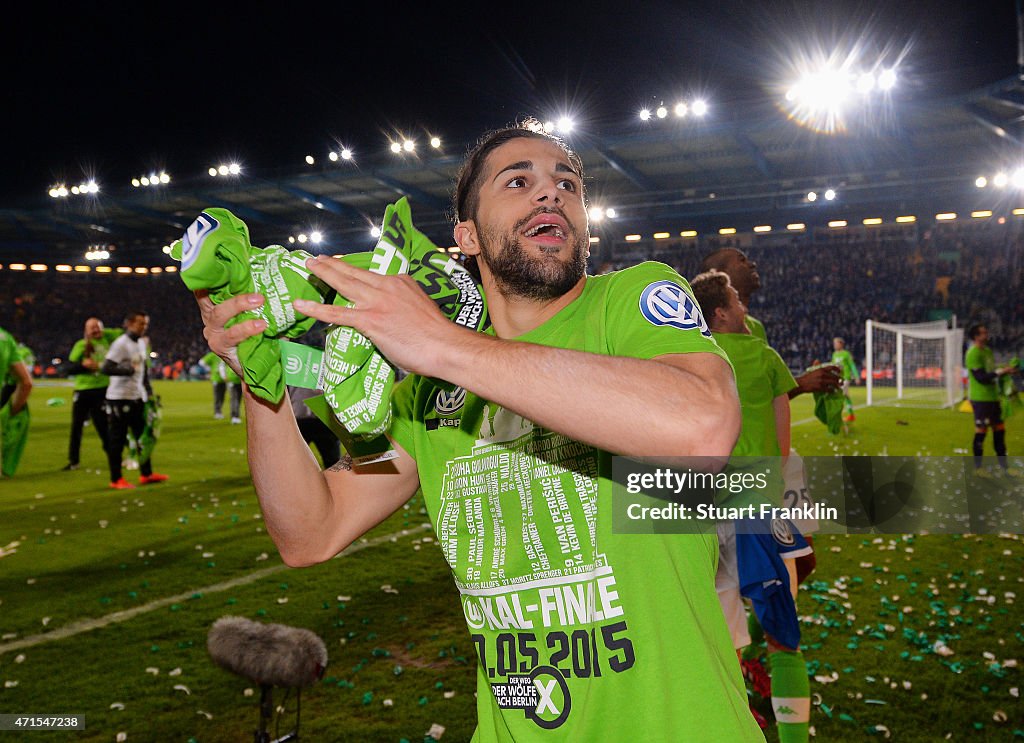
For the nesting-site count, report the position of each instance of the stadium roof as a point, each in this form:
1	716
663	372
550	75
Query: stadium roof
685	174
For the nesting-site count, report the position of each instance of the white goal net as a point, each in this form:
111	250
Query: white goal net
917	364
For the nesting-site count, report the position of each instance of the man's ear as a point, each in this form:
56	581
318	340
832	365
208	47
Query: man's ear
718	316
466	237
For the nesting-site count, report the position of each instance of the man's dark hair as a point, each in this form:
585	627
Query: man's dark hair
974	330
467	186
715	260
711	290
133	314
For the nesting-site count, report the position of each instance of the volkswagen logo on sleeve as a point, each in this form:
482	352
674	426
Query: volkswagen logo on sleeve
667	303
192	240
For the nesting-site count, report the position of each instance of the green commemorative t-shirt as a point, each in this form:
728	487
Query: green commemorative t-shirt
844	360
761	376
99	347
581	634
980	358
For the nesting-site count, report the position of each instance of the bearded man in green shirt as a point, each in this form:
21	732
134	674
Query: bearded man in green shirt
576	627
983	394
86	357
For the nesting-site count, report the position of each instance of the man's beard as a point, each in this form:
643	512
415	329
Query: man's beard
516	274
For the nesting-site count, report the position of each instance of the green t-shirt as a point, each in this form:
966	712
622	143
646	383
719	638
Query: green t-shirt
8	353
756	328
844	360
581	634
100	346
980	358
761	376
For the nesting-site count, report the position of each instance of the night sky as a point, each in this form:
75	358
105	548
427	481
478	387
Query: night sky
121	92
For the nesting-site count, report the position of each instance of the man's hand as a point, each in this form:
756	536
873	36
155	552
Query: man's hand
224	341
824	379
392	311
90	364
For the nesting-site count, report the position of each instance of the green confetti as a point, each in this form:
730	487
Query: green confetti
367	697
423	701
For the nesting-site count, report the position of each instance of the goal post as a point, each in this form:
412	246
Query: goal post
913	364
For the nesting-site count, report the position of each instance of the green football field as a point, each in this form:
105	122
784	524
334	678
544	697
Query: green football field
106	598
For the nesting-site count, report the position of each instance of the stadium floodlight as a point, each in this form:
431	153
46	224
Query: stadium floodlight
38	267
136	182
981	214
62	191
866	82
872	221
796	227
83	269
62	267
302	237
166	249
435	142
74	190
662	235
53	193
727	231
1000	180
396	147
144	181
234	168
681	110
981	181
887	80
408	145
310	160
291	239
836	223
596	213
92	187
812	196
633	238
316	236
565	125
946	217
332	156
763	228
164	178
662	112
1017	179
346	154
830	195
549	126
223	170
700	107
645	114
212	172
688	233
908	219
611	213
17	266
375	232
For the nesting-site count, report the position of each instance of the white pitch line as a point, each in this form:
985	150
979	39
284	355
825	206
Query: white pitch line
87	625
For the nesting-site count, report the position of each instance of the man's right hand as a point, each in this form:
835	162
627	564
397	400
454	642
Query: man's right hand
823	379
90	364
224	341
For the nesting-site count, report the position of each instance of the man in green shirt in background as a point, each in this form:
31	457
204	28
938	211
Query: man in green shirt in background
983	394
90	389
13	415
224	380
847	370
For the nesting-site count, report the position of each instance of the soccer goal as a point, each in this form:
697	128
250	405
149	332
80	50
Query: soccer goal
916	364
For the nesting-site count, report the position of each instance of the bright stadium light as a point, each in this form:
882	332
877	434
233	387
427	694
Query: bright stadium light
310	160
375	232
1000	180
222	170
435	142
812	196
681	110
316	236
549	126
396	147
62	191
234	168
981	181
565	125
346	154
164	178
291	239
53	193
662	112
408	145
144	181
866	82
645	114
700	107
1017	179
611	213
332	156
302	237
596	214
92	187
212	171
887	80
830	195
74	190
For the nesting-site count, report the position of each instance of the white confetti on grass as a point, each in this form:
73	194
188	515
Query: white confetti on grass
182	687
117	706
153	670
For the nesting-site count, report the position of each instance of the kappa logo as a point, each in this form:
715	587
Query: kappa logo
192	240
447	403
666	303
782	533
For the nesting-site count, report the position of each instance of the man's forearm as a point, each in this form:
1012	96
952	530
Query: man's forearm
627	406
293	494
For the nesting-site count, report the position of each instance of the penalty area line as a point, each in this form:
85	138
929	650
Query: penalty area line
87	625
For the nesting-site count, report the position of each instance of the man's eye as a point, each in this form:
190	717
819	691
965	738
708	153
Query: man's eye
567	185
517	182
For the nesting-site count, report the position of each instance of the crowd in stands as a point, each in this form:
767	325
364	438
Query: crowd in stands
814	287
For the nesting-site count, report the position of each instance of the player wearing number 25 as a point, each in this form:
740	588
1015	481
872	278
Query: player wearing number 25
578	629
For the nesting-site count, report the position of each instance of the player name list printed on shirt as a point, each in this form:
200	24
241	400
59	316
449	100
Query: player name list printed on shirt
667	303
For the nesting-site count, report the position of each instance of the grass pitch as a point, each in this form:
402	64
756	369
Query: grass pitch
106	598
